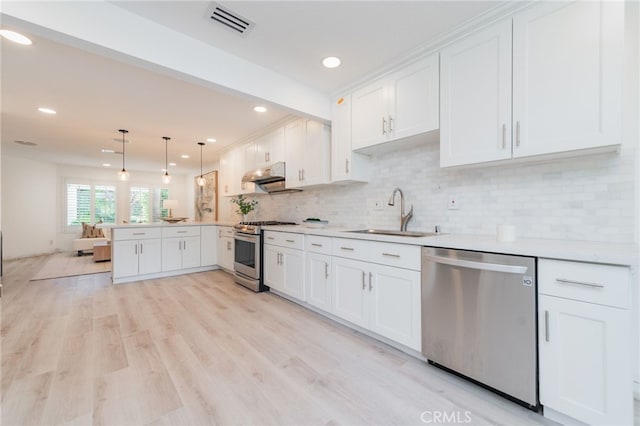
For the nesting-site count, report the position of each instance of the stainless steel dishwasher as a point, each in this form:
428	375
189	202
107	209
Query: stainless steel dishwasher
479	319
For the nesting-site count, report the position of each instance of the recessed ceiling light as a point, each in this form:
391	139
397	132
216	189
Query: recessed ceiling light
108	151
16	37
331	62
172	164
25	143
106	165
47	110
260	109
184	156
211	140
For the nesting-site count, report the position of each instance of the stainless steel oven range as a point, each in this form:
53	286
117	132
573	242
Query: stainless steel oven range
248	253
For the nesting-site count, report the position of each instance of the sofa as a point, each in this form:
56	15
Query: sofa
90	236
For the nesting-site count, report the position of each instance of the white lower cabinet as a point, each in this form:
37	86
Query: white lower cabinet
318	280
383	299
136	257
180	248
585	342
226	247
284	263
208	245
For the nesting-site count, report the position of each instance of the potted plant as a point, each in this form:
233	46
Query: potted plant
244	206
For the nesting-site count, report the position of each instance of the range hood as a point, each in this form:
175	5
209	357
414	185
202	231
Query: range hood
270	179
269	174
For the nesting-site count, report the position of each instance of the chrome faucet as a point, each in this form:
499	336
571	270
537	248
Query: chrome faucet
404	219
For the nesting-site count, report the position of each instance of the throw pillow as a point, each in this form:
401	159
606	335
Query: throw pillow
90	231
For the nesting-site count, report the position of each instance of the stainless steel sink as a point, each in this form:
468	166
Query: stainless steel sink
394	233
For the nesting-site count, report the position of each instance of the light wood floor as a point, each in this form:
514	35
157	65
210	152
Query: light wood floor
198	349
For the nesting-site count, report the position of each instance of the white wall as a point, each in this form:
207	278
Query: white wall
33	202
29	216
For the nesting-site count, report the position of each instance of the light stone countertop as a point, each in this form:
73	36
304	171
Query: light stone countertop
163	224
584	251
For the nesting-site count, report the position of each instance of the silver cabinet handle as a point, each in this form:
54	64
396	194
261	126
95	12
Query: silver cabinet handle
290	241
302	174
141	247
384	126
138	233
184	245
370	277
504	136
219	233
390	124
316	245
364	275
496	267
546	326
228	245
346	248
517	133
390	255
266	157
583	283
182	232
179	245
326	270
346	165
270	238
135	250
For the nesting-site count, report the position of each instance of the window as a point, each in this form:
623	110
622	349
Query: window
146	204
90	204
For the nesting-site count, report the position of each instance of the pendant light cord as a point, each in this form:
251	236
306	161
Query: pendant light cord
124	132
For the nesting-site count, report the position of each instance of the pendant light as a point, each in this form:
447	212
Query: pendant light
201	180
166	179
123	174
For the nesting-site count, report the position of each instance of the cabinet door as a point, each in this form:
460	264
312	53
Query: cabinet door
227	253
316	153
475	98
208	245
567	76
225	173
369	115
585	367
150	256
395	304
294	152
350	297
292	264
414	99
125	258
318	280
273	271
191	252
171	254
341	139
270	147
251	160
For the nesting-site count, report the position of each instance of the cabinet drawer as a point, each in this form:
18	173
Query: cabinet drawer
119	234
180	231
588	282
284	239
225	231
318	244
392	254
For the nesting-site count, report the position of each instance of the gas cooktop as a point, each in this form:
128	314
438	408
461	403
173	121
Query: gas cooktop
253	227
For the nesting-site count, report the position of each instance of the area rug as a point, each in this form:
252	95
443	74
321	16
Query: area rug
68	265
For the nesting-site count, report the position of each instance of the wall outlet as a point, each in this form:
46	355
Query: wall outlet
453	202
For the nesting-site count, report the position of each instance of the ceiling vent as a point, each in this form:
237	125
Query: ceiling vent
231	20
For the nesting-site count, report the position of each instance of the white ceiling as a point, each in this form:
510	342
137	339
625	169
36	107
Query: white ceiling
95	95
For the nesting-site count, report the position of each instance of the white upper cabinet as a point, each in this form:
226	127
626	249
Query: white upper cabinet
269	148
346	165
559	92
403	104
475	105
567	76
307	153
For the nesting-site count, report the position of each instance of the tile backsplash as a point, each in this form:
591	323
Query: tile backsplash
581	198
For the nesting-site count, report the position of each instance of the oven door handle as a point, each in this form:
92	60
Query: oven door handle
249	239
